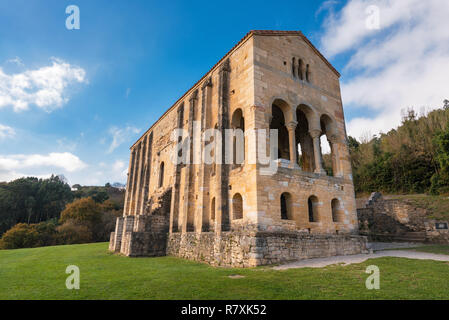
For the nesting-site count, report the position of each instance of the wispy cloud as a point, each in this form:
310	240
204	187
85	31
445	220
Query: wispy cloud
403	64
16	61
44	87
121	135
6	132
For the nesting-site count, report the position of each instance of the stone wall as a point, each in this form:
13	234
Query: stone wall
394	219
249	249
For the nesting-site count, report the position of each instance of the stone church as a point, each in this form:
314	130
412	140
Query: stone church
235	214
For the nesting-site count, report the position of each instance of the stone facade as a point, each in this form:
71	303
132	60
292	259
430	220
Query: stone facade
242	214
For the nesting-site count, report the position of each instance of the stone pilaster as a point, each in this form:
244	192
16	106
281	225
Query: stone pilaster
222	222
203	187
129	183
174	208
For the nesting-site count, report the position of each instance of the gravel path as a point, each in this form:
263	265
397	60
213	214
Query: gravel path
358	258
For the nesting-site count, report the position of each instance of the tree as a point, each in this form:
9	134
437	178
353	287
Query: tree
83	211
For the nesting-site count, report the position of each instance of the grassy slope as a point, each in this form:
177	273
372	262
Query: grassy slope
40	274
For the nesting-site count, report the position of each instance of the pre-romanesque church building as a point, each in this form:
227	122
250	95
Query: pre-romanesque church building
246	212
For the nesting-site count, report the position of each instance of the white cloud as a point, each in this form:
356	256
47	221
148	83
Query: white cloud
6	132
404	64
121	135
37	165
44	87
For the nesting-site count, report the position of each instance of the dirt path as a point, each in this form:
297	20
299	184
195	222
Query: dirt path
358	258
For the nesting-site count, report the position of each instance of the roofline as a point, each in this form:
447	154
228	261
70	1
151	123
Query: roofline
238	44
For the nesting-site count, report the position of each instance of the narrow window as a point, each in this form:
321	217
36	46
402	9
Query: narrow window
161	175
212	210
237	206
300	69
312	204
286	213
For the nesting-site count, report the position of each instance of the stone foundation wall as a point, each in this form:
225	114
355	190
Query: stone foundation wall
250	249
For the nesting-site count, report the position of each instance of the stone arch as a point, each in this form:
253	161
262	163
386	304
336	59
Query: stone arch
312	205
303	139
280	113
237	206
238	124
337	211
161	174
286	206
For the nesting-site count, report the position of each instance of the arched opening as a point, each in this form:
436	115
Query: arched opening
238	124
312	204
278	123
306	159
212	210
337	211
161	175
286	206
328	149
237	206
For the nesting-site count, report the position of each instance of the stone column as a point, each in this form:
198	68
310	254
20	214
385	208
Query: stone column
316	134
291	127
335	153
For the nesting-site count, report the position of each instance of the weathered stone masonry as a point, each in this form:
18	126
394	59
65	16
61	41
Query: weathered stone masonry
236	214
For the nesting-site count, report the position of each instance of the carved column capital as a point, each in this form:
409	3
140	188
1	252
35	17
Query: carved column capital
193	96
315	133
334	139
225	66
291	125
207	83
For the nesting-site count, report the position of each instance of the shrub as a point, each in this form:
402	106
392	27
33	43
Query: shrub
72	232
22	235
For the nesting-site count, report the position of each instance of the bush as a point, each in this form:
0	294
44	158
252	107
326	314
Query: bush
22	235
72	232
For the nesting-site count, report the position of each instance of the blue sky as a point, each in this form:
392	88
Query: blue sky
131	60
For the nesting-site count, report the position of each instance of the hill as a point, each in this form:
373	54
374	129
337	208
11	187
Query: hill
414	158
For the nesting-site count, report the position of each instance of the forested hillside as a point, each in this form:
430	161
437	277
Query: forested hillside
414	158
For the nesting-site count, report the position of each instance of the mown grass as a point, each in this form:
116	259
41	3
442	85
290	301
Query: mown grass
434	248
39	273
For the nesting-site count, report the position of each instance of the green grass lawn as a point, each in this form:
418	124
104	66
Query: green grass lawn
435	248
40	274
